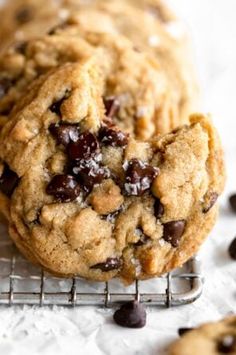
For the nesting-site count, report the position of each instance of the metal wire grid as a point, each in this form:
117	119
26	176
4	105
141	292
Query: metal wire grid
75	295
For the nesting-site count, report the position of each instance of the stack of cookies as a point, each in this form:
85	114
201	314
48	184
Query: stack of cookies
105	170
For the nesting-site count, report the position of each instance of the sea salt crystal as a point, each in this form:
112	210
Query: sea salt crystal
175	29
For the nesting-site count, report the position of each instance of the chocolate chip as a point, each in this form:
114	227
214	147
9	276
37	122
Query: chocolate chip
24	15
182	331
113	137
5	85
112	106
232	201
86	147
54	29
232	249
173	232
131	315
20	47
56	107
139	177
227	345
143	239
64	188
158	208
109	265
90	173
8	181
210	201
64	133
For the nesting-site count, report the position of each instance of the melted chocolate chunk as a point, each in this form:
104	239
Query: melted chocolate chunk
232	201
109	265
24	15
211	200
113	137
8	181
5	85
232	249
139	177
112	106
90	173
85	148
227	345
173	232
182	331
64	133
64	188
131	315
158	208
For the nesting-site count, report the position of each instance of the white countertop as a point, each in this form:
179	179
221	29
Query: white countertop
91	331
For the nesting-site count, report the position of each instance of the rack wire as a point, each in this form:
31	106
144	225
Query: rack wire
24	284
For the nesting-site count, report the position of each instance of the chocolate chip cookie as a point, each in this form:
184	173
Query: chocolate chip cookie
161	35
209	339
86	198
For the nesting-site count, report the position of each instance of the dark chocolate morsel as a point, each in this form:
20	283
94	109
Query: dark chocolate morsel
112	106
227	344
182	331
64	188
86	147
139	177
173	232
8	181
113	137
131	315
158	208
109	265
90	173
232	201
232	249
64	133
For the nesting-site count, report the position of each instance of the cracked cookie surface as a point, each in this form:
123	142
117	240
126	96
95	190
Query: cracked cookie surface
86	198
209	339
161	35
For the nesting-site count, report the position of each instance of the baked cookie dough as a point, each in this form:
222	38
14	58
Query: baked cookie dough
149	26
209	339
86	198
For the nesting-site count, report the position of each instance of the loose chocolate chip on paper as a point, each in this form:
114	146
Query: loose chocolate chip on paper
109	265
131	315
158	208
8	181
112	106
227	345
113	137
211	199
182	331
64	133
173	232
139	177
232	201
232	249
64	188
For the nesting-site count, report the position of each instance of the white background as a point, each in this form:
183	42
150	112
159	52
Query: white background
91	331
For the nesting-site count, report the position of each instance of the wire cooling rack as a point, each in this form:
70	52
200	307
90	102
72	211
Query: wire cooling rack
21	283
